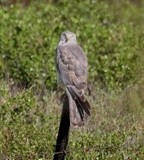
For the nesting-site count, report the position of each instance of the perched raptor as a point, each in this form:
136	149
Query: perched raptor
72	68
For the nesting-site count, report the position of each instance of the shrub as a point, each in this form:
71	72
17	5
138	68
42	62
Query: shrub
110	38
27	127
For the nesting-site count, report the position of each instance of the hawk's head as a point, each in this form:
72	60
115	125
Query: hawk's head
67	37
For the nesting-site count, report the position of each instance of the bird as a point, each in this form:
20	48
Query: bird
72	73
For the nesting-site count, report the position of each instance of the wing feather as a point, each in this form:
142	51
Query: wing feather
72	66
72	70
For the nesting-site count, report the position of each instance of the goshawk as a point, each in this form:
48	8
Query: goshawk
72	68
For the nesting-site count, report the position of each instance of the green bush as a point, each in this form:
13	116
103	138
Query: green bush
109	35
29	126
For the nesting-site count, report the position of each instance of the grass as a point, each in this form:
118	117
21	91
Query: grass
29	125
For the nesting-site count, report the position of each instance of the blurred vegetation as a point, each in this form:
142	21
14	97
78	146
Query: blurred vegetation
29	126
112	36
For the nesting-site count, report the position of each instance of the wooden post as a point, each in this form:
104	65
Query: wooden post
63	133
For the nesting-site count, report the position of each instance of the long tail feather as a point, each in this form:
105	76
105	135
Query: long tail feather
82	104
80	99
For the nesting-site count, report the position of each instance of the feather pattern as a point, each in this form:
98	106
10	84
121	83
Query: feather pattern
72	68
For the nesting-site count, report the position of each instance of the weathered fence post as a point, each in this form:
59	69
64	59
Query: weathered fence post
63	133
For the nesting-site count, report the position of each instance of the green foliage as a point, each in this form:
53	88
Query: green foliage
26	127
29	126
109	35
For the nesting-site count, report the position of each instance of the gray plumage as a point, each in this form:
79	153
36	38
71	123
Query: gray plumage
72	68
